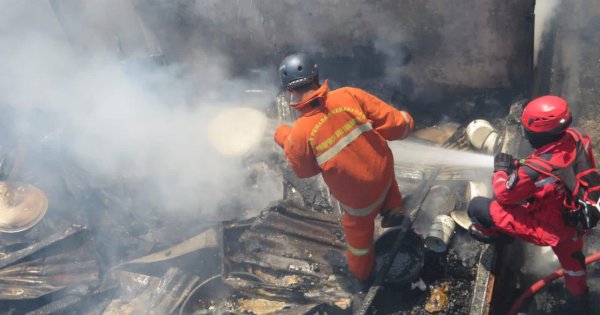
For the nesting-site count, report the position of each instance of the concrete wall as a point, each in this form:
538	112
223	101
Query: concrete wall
469	43
569	62
456	59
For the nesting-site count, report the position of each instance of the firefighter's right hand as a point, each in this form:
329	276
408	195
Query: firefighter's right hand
503	162
282	133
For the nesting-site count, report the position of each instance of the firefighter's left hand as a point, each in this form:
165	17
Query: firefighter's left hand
282	133
503	162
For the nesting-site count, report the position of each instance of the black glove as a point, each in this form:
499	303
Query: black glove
504	162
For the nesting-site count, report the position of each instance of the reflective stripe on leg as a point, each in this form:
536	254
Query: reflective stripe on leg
359	251
368	210
574	273
359	237
361	266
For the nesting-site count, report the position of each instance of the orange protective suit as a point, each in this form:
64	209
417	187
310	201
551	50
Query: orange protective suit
343	134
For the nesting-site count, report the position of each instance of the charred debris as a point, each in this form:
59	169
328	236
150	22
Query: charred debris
99	251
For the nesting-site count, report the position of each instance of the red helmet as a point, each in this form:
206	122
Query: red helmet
546	114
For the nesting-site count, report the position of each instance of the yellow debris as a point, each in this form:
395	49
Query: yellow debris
260	306
438	301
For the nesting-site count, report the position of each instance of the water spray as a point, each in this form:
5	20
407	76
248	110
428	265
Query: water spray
235	131
426	155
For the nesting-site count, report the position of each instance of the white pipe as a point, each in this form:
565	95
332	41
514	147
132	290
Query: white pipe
483	136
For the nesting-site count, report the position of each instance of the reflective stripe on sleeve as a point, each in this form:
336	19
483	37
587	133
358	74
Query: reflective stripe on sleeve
361	212
545	181
359	251
342	143
573	273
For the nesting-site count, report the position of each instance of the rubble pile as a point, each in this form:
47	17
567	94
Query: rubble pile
449	280
100	250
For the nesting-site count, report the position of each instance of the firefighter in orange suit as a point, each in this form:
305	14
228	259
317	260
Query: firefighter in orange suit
343	135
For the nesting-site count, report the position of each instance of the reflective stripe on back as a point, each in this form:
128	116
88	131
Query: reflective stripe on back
327	143
319	124
342	143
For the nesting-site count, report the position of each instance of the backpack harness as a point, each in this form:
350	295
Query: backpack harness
581	179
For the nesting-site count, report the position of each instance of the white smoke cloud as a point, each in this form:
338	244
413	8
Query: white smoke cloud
545	10
117	117
539	261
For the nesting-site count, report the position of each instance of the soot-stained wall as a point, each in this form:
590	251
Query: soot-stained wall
479	44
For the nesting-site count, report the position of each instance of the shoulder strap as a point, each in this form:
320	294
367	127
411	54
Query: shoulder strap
535	166
577	133
579	136
540	165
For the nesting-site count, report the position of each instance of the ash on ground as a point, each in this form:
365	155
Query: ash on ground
453	273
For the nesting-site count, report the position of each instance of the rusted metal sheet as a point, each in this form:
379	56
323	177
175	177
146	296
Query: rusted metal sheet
160	296
10	258
72	263
38	278
222	296
56	306
299	254
78	300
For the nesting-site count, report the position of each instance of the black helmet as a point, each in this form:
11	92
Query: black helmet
297	70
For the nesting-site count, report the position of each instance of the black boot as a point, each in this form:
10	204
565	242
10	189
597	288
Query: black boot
393	217
355	286
505	239
365	285
580	304
480	236
392	220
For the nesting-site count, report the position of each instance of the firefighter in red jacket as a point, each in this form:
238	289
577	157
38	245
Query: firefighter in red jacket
343	134
530	203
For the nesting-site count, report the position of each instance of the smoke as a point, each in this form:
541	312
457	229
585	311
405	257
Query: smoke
539	261
95	90
466	250
544	13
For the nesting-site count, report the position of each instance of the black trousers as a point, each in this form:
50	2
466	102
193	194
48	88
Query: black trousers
479	211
